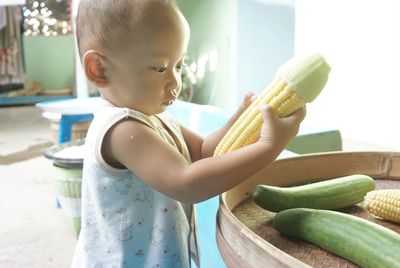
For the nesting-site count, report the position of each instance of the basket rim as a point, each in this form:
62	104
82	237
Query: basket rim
64	162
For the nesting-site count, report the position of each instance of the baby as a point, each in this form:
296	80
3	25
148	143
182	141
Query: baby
143	170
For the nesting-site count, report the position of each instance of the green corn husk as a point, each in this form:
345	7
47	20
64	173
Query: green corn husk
306	75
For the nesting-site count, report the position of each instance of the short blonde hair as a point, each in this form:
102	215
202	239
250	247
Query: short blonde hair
106	22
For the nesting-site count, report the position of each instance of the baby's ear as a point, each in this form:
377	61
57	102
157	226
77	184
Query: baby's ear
93	65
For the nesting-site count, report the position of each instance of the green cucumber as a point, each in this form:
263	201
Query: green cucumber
363	242
330	194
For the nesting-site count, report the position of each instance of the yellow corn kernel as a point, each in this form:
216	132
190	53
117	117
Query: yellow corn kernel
248	116
297	82
384	204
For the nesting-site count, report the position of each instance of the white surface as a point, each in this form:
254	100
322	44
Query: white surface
12	2
71	106
72	152
361	41
286	154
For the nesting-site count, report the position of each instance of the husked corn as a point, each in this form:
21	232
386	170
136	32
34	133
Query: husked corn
384	204
297	82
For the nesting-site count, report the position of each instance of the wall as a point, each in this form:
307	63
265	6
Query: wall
213	28
49	60
265	41
361	41
252	39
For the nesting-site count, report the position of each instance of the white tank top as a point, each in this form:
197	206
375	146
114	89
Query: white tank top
125	222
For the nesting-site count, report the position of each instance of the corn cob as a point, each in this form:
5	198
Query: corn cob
297	82
384	204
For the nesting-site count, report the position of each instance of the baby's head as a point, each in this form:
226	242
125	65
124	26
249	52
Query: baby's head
133	50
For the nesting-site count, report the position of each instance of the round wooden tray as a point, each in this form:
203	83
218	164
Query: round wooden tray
245	235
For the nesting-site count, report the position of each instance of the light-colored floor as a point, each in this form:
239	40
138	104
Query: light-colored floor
33	232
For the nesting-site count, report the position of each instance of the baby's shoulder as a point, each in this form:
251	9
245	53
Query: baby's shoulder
128	127
124	136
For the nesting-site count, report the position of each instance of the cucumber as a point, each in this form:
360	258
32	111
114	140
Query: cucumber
363	242
330	194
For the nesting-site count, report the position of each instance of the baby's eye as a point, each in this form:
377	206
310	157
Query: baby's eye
159	69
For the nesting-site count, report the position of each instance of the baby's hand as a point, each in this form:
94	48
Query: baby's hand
247	100
280	131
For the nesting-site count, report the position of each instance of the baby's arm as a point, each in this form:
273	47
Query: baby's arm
212	140
162	167
200	147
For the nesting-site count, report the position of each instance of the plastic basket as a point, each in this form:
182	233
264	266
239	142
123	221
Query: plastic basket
68	181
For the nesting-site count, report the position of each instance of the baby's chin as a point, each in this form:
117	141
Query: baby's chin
163	108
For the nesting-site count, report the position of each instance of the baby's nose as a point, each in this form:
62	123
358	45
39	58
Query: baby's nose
175	92
173	83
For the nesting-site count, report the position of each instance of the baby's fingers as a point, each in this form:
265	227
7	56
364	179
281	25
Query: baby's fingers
299	115
249	98
267	113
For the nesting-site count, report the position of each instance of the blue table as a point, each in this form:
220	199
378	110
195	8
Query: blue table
71	111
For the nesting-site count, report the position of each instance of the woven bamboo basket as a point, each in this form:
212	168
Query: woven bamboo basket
245	235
